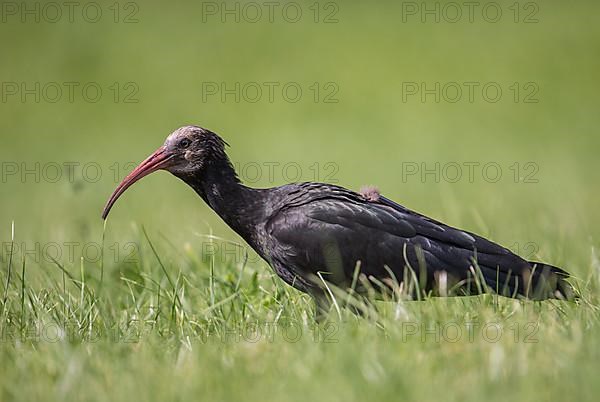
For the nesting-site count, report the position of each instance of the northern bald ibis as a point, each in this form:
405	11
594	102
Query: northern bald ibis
315	234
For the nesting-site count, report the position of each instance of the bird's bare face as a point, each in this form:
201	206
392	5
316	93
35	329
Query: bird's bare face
186	151
186	147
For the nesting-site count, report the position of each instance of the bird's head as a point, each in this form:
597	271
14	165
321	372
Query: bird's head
186	151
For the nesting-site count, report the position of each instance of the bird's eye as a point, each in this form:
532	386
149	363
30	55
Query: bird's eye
184	143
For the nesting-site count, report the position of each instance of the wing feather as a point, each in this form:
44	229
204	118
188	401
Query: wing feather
323	228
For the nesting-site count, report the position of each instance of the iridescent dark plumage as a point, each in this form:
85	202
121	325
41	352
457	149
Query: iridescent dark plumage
314	234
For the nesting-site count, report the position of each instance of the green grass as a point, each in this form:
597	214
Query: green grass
176	332
163	303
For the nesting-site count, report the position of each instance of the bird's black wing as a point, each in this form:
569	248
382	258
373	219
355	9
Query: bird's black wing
323	228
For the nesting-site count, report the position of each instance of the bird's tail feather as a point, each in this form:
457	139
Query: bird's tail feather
536	281
549	281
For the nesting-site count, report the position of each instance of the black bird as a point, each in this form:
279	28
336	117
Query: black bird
315	234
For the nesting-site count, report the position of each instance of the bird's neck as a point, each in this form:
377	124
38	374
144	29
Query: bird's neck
239	206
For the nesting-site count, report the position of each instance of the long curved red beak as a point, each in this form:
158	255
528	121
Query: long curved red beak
158	160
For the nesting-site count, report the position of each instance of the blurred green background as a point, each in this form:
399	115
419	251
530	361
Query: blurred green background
173	52
157	63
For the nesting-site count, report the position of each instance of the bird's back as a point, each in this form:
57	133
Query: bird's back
317	228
